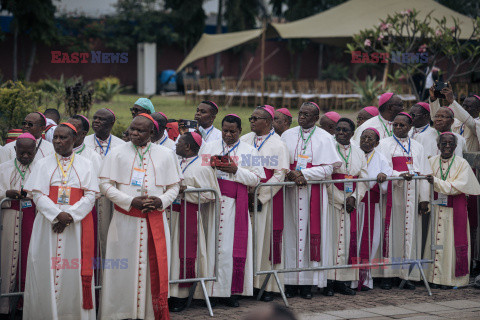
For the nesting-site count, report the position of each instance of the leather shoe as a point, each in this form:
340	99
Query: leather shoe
267	296
177	304
306	292
328	291
365	288
409	285
386	284
446	287
291	291
342	288
232	302
434	286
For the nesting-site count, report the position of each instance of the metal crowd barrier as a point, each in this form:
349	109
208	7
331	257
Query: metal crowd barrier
416	261
198	279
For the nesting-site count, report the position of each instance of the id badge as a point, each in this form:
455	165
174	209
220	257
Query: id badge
302	162
442	199
348	185
63	195
177	201
138	176
26	204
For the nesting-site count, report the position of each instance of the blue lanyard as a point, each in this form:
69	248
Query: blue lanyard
207	133
108	145
165	139
261	145
183	171
408	152
425	128
462	129
234	147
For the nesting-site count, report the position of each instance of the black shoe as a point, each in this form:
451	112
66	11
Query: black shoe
328	291
306	292
291	291
213	302
267	296
409	285
445	287
341	287
365	288
386	283
177	304
434	286
232	302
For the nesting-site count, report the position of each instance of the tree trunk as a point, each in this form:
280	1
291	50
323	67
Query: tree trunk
219	30
15	50
31	61
320	61
298	64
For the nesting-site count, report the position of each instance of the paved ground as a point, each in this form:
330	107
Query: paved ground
376	304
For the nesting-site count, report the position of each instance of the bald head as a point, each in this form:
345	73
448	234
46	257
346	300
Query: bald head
25	150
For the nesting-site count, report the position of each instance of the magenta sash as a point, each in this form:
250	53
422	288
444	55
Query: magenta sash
192	240
277	221
460	218
28	217
315	219
352	252
238	192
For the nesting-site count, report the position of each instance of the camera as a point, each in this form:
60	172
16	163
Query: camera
190	124
438	87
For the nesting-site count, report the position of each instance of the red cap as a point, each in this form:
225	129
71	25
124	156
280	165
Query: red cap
285	111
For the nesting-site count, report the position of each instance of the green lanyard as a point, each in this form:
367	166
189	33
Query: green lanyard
141	156
389	133
81	150
308	139
448	170
22	174
348	157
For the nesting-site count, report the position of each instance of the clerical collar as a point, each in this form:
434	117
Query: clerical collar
402	139
421	129
79	148
207	129
103	141
345	147
265	135
188	159
307	130
64	158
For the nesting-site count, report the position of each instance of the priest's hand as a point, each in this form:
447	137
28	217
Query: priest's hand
138	202
301	181
430	179
423	207
58	227
64	220
13	194
431	91
228	167
151	204
448	92
182	189
407	176
351	204
292	175
382	177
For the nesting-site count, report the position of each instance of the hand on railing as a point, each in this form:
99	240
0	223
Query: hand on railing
407	176
382	177
297	177
430	179
15	194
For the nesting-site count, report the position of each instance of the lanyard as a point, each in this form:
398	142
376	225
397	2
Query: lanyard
261	145
64	173
348	157
81	150
234	147
389	133
371	156
305	142
462	129
183	171
207	133
108	145
408	152
22	174
448	170
163	141
141	156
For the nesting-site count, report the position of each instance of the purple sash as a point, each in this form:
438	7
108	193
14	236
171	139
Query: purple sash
277	221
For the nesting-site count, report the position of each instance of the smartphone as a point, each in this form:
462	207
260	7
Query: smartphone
222	160
190	124
438	87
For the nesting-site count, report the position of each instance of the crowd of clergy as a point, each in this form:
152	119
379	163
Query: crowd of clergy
82	205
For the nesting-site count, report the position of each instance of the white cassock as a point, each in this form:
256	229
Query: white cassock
167	142
45	148
339	219
383	126
50	292
376	164
90	154
321	156
428	139
210	134
126	293
463	124
249	175
459	181
49	131
104	206
195	175
414	132
274	153
11	179
405	229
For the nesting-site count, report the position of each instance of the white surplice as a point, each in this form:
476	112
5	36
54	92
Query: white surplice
320	149
56	293
126	292
274	152
405	232
49	132
338	218
210	134
90	154
428	139
460	179
195	175
102	147
414	132
10	179
248	174
45	148
383	126
167	142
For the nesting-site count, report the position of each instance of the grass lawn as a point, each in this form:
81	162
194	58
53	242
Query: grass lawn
174	107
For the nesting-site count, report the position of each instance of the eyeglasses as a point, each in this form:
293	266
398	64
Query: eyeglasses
136	110
29	124
255	118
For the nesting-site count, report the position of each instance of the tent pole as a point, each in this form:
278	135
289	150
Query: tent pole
385	75
262	58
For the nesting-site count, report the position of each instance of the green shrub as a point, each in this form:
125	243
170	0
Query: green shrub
107	88
119	128
78	98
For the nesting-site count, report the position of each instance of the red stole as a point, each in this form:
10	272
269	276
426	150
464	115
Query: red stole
157	256
460	218
472	206
87	245
352	252
192	240
238	192
315	220
277	221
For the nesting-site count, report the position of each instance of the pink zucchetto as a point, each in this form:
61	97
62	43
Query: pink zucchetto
27	135
424	105
316	105
384	98
197	138
372	110
374	130
405	114
332	115
285	111
269	109
234	115
163	114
